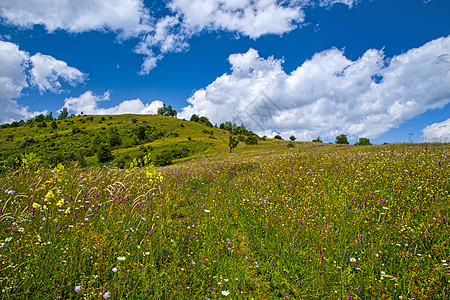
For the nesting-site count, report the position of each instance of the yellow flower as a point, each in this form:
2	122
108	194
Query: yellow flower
60	203
67	211
36	206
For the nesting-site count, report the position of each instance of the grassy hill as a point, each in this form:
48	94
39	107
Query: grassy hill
80	139
267	221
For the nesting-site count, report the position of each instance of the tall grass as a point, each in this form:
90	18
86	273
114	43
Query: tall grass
308	223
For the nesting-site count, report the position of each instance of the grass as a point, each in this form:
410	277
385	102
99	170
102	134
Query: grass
315	221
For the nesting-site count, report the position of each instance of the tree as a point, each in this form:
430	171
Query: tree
252	140
64	114
167	111
318	140
53	124
233	142
141	133
341	139
104	153
194	118
292	138
278	137
363	142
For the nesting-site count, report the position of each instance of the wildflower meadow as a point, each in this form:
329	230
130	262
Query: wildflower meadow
314	221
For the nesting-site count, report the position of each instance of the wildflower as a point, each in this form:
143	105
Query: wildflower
225	293
20	229
60	203
36	206
67	211
444	220
361	237
78	288
121	258
352	259
114	269
106	295
8	239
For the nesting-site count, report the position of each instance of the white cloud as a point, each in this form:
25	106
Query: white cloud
46	71
128	17
17	69
244	17
438	132
328	94
170	33
88	104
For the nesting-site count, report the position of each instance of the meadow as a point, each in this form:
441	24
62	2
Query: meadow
315	221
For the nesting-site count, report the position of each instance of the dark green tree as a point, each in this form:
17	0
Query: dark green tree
141	133
278	137
363	142
54	125
292	138
104	153
318	140
167	111
341	139
64	114
194	118
251	140
233	142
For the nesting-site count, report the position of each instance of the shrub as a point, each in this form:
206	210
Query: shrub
292	138
290	145
341	139
278	137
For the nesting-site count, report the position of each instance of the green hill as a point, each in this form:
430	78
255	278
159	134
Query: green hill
117	140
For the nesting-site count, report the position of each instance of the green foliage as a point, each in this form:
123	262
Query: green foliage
194	118
232	142
53	125
363	142
341	139
104	153
251	140
278	137
290	145
167	111
318	140
292	138
64	114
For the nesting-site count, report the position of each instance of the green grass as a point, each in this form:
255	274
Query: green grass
315	221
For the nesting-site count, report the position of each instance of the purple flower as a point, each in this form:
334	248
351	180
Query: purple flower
345	255
78	288
361	237
444	220
106	295
439	164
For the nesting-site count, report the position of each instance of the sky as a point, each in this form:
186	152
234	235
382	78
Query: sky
378	69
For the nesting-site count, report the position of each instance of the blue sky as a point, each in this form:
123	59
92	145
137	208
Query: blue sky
367	68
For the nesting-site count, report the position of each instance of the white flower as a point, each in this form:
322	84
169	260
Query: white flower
121	258
352	259
21	229
225	293
8	239
206	210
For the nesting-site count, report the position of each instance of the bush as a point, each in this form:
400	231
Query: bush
104	153
363	142
278	137
251	140
290	145
341	139
292	138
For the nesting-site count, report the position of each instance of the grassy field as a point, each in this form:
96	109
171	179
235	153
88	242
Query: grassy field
315	221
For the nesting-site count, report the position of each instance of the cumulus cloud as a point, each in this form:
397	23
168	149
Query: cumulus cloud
243	17
46	72
328	94
169	33
88	104
438	132
18	69
128	17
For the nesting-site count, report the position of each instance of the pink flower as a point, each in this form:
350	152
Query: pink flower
78	288
114	269
106	295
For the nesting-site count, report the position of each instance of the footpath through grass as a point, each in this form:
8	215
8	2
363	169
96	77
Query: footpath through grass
306	223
